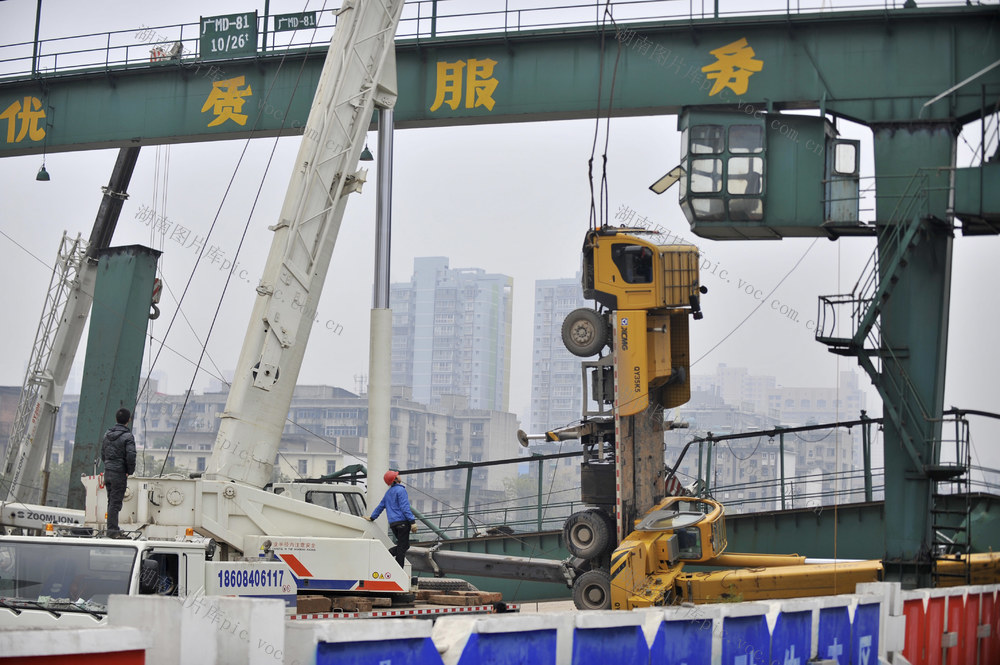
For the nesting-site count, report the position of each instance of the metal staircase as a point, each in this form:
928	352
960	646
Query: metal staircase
951	506
861	310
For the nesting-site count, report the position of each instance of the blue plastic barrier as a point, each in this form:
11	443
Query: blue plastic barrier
537	647
834	640
414	651
745	640
791	640
864	634
621	645
682	642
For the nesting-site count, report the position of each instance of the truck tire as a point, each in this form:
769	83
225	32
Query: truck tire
609	520
592	590
587	534
585	332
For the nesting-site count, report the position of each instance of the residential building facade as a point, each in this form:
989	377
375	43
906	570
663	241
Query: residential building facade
326	431
556	378
451	334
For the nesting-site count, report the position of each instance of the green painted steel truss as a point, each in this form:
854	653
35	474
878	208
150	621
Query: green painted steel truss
872	66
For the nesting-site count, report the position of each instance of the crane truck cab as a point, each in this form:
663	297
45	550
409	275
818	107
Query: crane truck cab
64	582
647	291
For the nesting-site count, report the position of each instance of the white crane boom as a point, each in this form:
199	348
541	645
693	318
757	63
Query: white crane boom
359	72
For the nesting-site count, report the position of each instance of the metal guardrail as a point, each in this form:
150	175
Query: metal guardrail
547	510
423	20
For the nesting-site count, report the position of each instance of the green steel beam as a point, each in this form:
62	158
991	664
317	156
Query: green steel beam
872	66
113	363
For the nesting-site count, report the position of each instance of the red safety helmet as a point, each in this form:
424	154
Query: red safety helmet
390	477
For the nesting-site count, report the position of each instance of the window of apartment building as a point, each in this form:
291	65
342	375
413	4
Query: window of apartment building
200	464
804	404
789	402
821	404
331	466
303	466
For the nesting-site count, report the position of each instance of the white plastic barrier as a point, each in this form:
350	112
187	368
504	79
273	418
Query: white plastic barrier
213	630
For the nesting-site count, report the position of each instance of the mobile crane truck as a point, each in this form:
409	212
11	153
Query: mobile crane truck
223	532
632	547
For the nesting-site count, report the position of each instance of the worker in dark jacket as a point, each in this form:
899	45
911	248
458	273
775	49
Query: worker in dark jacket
396	505
118	453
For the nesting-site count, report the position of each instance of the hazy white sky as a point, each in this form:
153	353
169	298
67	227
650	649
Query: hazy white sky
510	199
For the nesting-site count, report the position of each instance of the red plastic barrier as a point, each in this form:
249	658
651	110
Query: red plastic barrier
958	623
936	612
989	647
914	648
107	658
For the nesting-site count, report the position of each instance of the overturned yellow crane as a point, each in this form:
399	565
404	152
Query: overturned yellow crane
652	565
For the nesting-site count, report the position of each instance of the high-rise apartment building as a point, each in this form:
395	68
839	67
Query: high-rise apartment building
556	388
451	333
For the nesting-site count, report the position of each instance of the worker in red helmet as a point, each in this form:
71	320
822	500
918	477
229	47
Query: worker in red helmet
396	505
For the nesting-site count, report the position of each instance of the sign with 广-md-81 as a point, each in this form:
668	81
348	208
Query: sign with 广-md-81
286	22
230	36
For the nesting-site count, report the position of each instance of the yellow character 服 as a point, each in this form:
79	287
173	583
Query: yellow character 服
734	65
226	101
480	85
478	81
29	112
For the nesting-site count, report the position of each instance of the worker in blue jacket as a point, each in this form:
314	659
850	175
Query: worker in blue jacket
396	505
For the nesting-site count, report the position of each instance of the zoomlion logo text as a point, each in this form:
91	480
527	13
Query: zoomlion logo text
45	517
625	334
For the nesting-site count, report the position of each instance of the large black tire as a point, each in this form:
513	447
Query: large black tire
609	520
592	590
587	534
585	332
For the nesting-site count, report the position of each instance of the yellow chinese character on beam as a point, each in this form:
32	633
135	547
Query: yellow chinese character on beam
480	85
226	101
29	112
449	84
733	66
478	80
